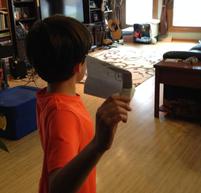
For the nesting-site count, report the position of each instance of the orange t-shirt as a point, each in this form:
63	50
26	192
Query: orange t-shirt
65	128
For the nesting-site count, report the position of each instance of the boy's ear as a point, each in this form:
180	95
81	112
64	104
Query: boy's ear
77	68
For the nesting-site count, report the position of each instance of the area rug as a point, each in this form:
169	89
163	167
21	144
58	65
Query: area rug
138	60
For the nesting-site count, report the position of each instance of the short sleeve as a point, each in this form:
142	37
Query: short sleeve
63	139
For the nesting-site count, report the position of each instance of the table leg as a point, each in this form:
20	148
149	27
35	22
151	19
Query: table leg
156	96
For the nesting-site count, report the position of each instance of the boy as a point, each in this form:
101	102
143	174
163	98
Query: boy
57	47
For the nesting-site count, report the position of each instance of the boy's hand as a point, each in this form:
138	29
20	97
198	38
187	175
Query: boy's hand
109	114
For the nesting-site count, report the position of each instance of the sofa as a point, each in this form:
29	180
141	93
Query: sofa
193	52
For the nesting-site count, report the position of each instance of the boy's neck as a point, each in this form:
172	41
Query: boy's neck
65	87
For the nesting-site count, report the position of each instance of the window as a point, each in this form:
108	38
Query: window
186	13
138	11
184	16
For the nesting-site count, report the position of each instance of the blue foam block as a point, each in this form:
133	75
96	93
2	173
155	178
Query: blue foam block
18	111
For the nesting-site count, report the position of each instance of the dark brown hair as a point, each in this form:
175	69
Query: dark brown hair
55	45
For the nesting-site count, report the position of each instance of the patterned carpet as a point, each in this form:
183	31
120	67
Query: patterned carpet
138	58
139	61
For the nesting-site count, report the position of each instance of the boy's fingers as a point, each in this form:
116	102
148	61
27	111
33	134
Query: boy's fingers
119	101
115	105
123	105
112	120
114	110
111	111
113	114
119	117
118	98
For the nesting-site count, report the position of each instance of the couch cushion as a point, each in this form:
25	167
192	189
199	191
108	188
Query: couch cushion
182	54
197	47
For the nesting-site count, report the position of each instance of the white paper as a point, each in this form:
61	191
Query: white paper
103	79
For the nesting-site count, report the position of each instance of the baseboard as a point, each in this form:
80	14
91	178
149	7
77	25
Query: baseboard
185	40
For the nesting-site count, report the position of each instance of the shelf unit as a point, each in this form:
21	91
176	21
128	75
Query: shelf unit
17	16
94	20
93	11
22	13
25	12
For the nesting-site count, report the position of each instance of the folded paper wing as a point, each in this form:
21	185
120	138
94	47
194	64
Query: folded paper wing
104	79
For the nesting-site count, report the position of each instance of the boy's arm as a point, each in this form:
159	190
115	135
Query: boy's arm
70	178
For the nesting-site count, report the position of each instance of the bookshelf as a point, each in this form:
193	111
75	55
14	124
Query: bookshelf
5	35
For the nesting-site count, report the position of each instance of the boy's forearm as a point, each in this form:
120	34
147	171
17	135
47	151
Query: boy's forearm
70	178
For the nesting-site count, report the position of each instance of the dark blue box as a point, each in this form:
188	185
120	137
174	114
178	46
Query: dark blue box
18	111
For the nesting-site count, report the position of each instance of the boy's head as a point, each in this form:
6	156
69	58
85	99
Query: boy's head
56	45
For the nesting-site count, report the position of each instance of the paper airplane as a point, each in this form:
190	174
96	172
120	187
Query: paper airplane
104	79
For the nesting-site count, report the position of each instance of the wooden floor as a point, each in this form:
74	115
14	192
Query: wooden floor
148	156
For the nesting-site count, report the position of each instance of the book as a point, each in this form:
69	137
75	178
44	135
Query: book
104	79
4	34
3	20
3	4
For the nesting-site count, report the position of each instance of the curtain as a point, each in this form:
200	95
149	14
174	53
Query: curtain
118	7
163	28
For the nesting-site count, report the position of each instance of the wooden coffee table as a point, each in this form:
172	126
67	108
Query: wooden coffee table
176	74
